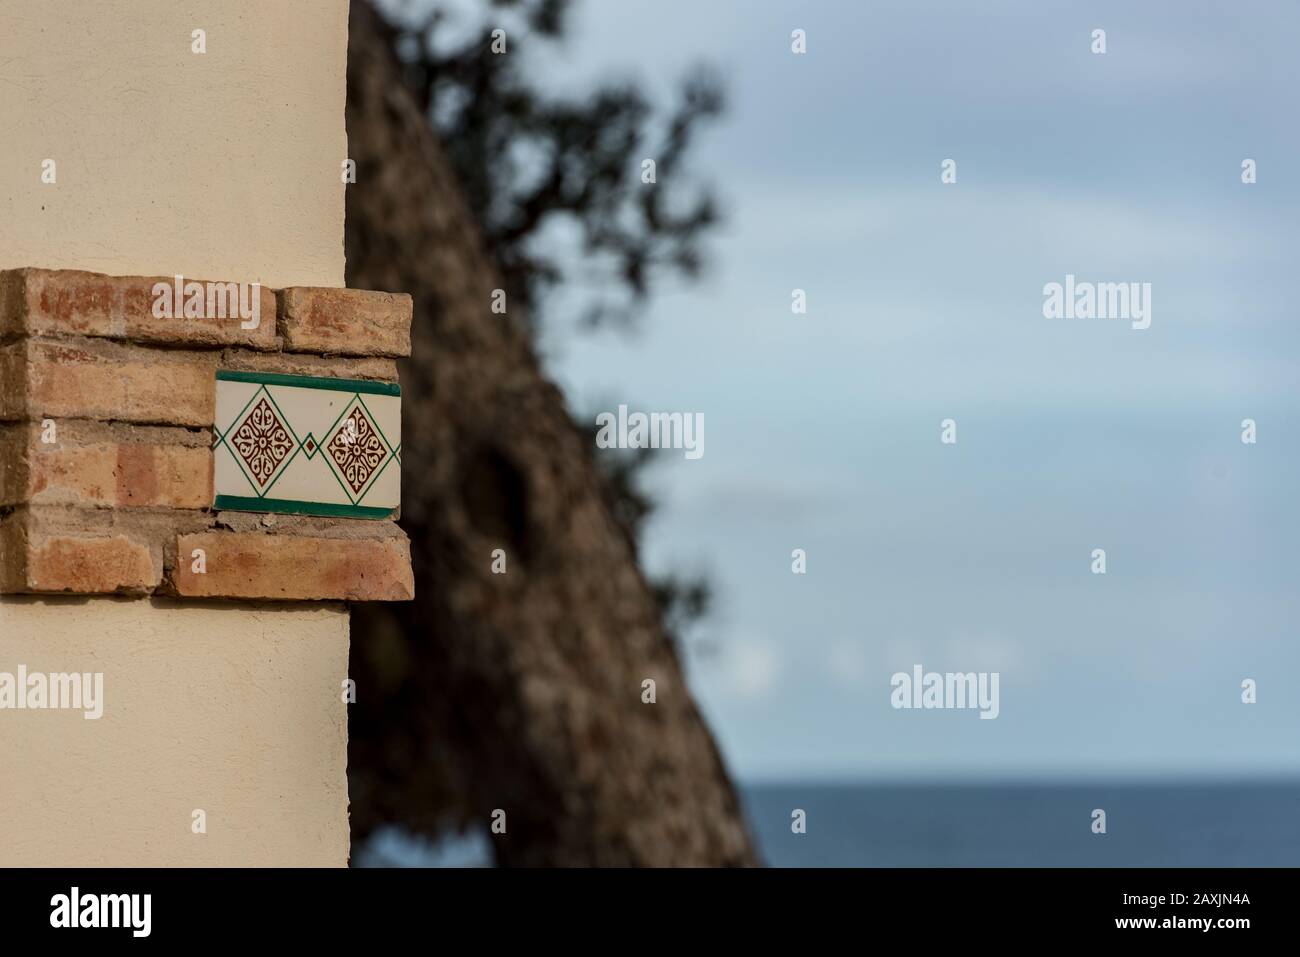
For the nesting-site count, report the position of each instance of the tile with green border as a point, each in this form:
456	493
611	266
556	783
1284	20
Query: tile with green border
307	445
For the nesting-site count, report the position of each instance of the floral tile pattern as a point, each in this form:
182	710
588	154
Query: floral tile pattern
307	445
261	443
357	450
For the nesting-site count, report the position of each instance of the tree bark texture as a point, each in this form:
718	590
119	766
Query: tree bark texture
519	691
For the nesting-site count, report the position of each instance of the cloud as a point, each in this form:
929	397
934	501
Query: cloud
751	669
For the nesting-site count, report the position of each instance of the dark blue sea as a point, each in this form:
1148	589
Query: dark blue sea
1242	824
1029	825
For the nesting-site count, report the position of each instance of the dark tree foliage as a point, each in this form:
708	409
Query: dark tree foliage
528	159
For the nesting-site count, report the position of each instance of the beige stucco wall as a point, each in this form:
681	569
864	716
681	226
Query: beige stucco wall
221	165
237	711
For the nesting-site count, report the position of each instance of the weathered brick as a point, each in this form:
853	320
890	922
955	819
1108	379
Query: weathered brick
356	367
94	379
118	499
13	568
345	321
164	475
91	551
10	297
90	566
57	303
58	549
105	466
13	465
36	557
250	565
13	390
123	382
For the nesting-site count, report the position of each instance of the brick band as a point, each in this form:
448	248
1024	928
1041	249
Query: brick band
107	403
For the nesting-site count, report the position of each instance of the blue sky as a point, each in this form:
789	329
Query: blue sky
925	302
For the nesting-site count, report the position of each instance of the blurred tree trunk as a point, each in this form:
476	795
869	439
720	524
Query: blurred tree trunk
523	691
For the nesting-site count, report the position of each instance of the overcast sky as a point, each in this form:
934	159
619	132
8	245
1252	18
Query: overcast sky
925	303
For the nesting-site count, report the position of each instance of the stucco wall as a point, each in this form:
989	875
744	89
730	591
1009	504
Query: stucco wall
237	711
219	165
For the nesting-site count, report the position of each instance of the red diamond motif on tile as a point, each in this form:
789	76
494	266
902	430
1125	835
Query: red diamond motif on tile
262	441
357	450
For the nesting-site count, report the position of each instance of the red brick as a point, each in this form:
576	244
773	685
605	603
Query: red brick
55	549
10	299
13	388
91	379
250	565
372	368
123	382
13	465
47	560
346	321
90	566
105	466
57	303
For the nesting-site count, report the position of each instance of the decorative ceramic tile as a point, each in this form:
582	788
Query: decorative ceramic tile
290	443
